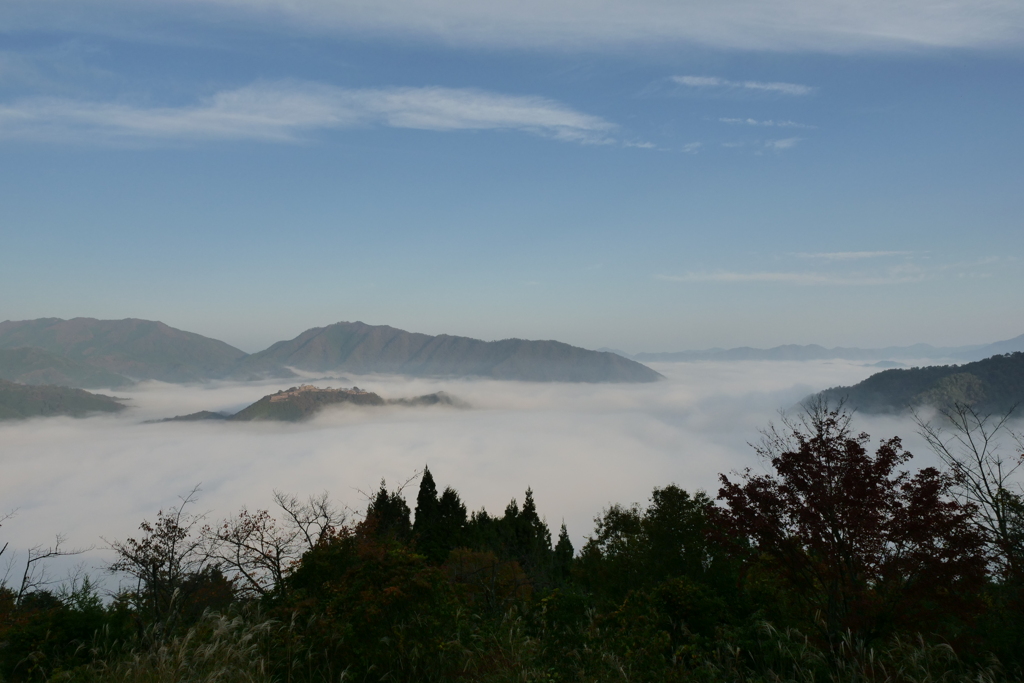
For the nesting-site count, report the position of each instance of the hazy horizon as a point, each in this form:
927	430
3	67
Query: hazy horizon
629	350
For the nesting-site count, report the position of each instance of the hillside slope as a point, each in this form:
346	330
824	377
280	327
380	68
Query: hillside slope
21	401
1000	347
32	365
995	384
299	403
140	349
360	348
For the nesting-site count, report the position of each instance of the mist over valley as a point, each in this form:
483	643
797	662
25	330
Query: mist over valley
580	447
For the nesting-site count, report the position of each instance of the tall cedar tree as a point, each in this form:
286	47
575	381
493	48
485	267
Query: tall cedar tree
388	515
864	546
440	520
563	554
425	527
528	537
451	522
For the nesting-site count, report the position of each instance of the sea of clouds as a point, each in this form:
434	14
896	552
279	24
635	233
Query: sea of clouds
580	447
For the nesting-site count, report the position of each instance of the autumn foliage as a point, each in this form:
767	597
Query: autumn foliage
861	545
838	562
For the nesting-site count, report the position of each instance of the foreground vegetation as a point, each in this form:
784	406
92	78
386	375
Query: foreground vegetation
838	564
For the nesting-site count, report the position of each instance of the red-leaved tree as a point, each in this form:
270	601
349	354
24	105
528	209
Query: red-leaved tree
862	545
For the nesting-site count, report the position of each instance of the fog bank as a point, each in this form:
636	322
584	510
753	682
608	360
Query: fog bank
580	447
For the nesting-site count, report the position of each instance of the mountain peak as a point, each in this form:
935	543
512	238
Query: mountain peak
361	348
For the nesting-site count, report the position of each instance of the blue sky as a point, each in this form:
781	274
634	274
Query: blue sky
649	175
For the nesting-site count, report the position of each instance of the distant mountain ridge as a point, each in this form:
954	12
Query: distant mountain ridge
86	352
139	349
795	352
361	348
91	353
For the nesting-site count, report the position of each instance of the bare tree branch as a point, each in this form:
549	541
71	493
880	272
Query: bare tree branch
34	577
259	551
970	443
314	519
164	559
4	518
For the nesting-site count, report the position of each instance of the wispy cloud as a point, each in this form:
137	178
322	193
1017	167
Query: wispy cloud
837	26
851	255
759	146
713	82
785	143
284	112
797	278
768	122
692	147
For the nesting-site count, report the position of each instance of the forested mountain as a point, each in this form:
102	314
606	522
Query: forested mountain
21	401
994	384
145	349
360	348
89	353
302	402
299	403
33	365
140	349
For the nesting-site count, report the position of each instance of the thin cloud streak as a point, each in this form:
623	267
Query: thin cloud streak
785	143
769	123
713	82
793	278
284	112
851	255
759	146
836	26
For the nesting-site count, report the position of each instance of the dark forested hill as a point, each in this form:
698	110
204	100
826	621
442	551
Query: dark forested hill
32	365
994	384
141	349
360	348
299	403
20	401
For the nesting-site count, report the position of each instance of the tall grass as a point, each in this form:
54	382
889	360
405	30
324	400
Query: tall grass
218	649
248	648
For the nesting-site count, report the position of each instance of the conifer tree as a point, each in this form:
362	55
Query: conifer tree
388	514
451	520
563	554
533	530
426	505
427	527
